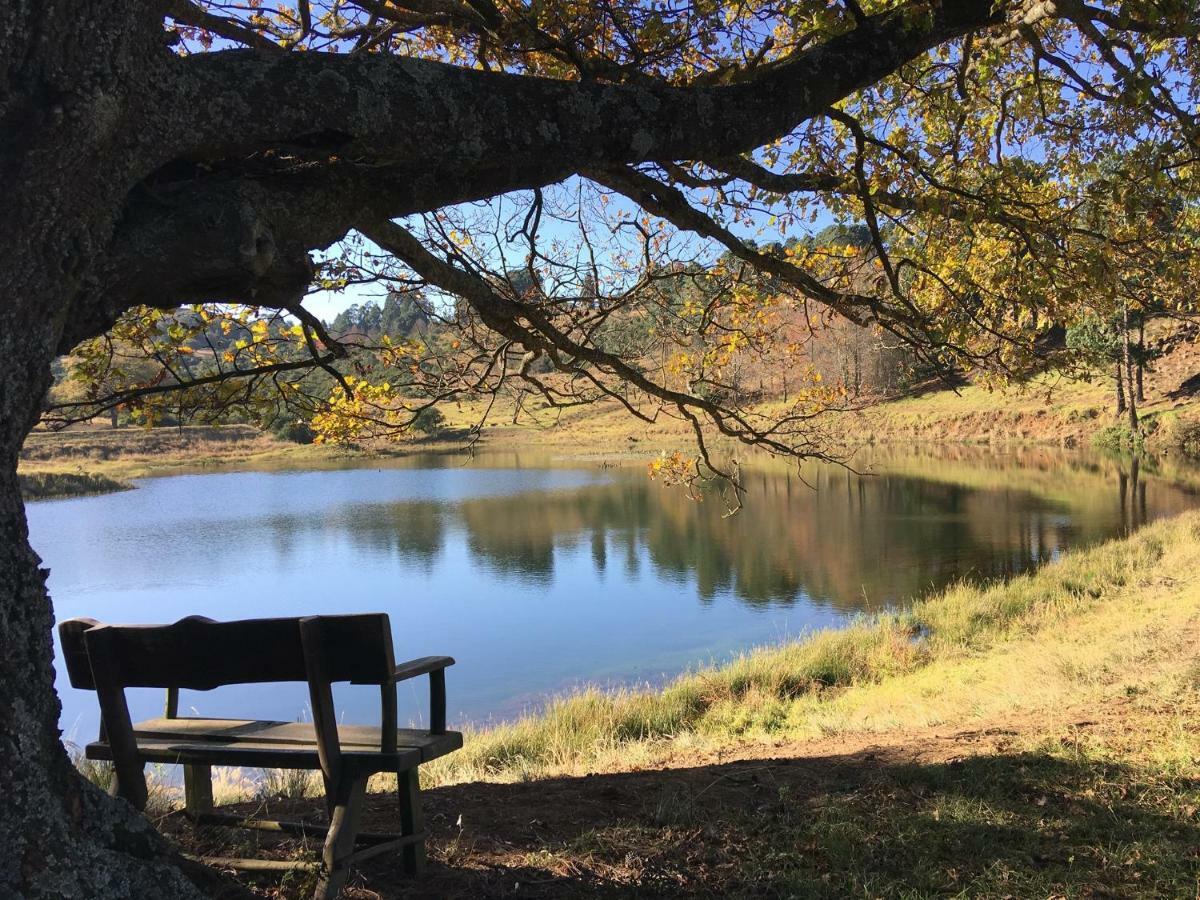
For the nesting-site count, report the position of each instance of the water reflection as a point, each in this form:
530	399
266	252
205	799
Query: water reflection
832	536
1133	496
538	578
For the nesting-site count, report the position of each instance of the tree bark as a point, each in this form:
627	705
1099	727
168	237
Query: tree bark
67	149
61	836
1127	367
1141	359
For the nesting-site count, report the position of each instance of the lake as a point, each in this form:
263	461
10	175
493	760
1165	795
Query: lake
540	577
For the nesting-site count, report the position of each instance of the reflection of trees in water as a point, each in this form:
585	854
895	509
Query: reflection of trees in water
1133	496
414	530
850	541
522	554
520	533
854	541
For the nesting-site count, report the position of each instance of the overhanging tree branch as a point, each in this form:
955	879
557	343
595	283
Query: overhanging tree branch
531	328
402	109
670	204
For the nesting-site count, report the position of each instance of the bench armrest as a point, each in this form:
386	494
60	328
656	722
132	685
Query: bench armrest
435	668
423	666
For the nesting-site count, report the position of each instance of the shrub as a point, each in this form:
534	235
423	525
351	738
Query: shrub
429	421
288	784
1182	436
296	431
1118	439
1189	440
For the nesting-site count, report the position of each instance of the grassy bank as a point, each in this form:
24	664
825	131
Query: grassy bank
824	683
127	453
1049	412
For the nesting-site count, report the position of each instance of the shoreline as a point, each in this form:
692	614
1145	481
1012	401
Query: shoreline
814	685
1049	412
119	457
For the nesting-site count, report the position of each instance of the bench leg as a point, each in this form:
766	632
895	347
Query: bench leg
130	785
412	820
346	800
330	796
197	790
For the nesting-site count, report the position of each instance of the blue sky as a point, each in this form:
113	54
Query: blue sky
327	304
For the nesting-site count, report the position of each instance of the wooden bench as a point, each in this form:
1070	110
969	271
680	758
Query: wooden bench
200	654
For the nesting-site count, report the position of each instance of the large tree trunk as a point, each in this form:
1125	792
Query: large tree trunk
66	148
61	836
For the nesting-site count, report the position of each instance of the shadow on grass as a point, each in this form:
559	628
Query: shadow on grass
867	824
932	385
1190	387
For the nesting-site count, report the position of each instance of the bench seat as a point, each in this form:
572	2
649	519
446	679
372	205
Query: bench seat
257	755
299	734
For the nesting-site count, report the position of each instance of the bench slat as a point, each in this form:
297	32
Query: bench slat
351	737
259	755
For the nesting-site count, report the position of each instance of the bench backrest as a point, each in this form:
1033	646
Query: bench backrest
200	654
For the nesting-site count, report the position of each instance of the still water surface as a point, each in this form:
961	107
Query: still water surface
540	579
